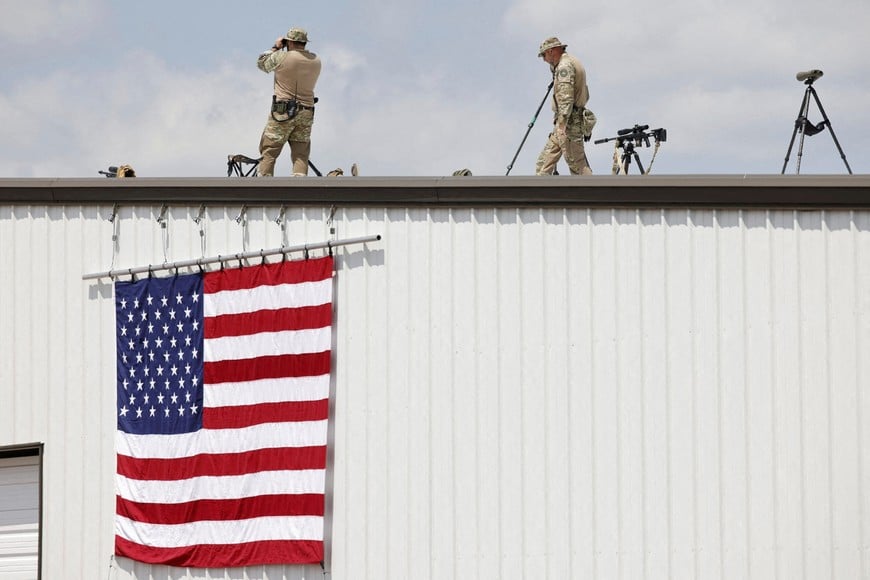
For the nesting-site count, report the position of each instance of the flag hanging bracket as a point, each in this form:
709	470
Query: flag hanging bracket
161	219
201	262
200	214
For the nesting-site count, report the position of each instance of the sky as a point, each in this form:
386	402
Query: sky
412	88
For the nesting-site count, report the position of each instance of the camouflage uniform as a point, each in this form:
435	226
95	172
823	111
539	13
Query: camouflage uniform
570	95
296	73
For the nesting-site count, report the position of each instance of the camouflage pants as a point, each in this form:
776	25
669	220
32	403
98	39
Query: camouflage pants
297	132
571	146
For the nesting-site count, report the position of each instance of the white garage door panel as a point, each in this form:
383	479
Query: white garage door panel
19	518
17	497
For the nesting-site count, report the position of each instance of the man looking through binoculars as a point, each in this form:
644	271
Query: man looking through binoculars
292	115
570	120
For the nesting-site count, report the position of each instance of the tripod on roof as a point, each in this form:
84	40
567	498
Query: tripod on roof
803	125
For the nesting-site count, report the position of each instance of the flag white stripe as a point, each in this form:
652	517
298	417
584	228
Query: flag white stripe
222	487
287	390
220	532
266	436
267	344
267	298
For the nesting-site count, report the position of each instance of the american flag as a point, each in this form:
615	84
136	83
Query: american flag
223	399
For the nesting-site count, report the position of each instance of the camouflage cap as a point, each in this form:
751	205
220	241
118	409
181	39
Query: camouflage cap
296	35
551	42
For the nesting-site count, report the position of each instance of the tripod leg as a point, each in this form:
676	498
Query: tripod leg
831	128
798	124
624	163
800	154
639	164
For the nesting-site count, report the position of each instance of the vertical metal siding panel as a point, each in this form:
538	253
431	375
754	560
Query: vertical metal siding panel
443	469
8	250
605	391
23	323
399	383
654	413
488	391
70	410
732	353
787	365
703	300
377	360
464	441
349	542
533	390
98	373
680	394
511	428
580	416
861	265
843	392
628	328
35	356
815	428
761	540
555	302
419	344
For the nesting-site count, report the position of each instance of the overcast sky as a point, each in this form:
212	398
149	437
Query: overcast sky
413	88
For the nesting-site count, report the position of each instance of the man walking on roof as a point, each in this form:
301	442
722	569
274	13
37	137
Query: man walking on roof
570	117
292	115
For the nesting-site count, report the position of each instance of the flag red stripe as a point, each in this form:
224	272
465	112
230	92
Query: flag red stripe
302	318
225	555
267	367
227	464
309	504
295	272
248	415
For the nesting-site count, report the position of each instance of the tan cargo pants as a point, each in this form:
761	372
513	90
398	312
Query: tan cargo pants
571	147
297	132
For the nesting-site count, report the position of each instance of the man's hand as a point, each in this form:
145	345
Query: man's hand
279	44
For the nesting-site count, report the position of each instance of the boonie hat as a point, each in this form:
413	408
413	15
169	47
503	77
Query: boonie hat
551	42
296	35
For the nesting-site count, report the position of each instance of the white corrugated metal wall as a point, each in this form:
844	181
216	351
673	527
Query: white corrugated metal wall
546	393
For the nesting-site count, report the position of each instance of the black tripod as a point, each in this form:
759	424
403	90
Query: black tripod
627	140
628	153
803	124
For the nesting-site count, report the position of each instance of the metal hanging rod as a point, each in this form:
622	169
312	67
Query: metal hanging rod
231	258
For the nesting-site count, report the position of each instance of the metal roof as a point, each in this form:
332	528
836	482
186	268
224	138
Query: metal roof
772	191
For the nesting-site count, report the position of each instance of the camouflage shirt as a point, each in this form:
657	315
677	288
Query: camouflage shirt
569	87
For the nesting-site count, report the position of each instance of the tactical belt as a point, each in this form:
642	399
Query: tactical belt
288	108
290	103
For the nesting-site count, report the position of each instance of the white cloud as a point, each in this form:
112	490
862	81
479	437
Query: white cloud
49	23
160	121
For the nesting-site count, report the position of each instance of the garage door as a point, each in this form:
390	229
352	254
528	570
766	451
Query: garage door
19	517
